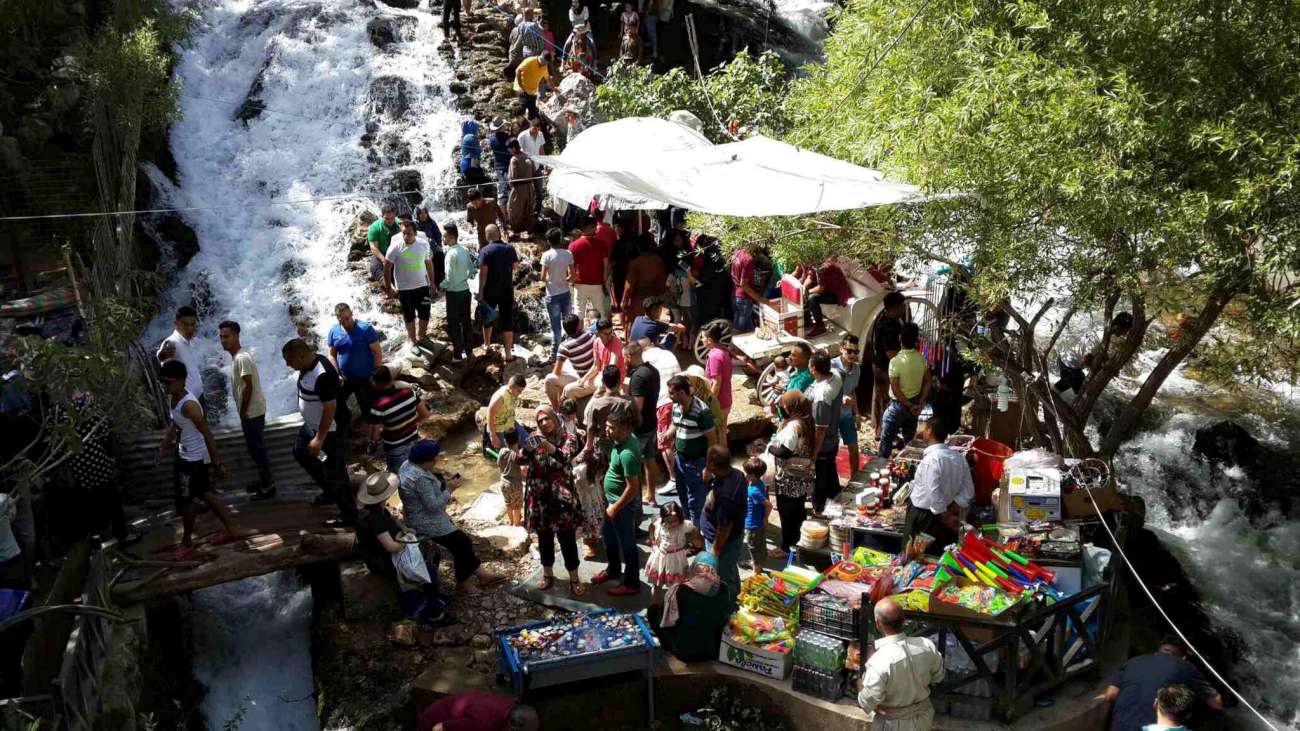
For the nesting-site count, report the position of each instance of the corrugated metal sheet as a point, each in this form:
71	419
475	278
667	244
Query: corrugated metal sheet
148	484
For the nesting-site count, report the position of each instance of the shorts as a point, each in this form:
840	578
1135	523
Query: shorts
193	480
664	421
848	428
512	492
505	307
649	445
414	302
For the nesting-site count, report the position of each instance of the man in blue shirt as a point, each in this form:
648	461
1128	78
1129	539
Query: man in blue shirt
354	351
1132	691
655	326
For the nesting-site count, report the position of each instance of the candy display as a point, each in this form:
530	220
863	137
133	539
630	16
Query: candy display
982	599
773	634
577	634
771	594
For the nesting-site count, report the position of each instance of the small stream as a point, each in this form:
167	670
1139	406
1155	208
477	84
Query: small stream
250	644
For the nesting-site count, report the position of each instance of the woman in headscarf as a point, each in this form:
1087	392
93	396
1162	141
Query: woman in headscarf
552	508
792	448
425	224
519	211
690	623
471	152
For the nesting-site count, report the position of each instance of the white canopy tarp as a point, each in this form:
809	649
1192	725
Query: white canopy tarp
643	162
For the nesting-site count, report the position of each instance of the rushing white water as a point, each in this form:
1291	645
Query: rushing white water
317	67
250	645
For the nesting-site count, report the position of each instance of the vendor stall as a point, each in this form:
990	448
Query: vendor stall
576	647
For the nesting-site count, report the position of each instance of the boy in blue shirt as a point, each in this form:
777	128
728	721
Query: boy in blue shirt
757	510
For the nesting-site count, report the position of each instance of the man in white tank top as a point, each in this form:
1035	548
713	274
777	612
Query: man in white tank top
197	453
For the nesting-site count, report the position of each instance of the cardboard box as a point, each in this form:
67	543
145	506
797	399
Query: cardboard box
1077	504
754	659
1034	494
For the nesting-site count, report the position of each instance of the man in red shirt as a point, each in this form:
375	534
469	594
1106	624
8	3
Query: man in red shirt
478	711
745	296
591	264
825	286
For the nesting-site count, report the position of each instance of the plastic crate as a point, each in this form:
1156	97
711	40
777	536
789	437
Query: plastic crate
828	615
818	684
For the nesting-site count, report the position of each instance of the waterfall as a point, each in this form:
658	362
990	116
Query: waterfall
323	114
250	646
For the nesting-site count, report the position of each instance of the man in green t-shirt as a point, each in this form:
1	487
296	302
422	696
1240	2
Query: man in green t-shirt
909	384
379	234
623	493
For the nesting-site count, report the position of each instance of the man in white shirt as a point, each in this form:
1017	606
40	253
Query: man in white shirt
533	142
941	490
251	406
409	269
897	677
180	346
557	272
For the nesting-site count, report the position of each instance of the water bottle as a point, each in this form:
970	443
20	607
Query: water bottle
1004	394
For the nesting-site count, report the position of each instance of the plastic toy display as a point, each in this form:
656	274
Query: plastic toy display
579	634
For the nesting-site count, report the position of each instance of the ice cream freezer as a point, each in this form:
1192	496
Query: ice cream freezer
576	647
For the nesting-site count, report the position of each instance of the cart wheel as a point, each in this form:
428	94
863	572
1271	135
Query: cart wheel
765	385
701	350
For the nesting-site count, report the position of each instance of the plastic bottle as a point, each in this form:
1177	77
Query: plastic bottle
1004	394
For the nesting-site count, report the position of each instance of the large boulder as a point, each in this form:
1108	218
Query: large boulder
746	423
387	30
1226	442
390	96
452	411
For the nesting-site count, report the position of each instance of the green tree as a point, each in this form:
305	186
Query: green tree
1135	155
58	375
747	90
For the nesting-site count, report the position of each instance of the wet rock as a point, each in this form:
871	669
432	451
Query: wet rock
179	237
457	87
385	31
481	642
402	4
452	411
393	148
405	187
356	232
746	423
390	96
253	106
1226	442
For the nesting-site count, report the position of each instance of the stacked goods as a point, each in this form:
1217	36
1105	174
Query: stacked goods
760	635
820	652
839	535
981	599
984	562
813	535
829	614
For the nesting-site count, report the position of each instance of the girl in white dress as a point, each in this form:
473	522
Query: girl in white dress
670	535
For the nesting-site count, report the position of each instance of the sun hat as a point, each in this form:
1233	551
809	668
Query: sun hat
377	488
498	124
423	451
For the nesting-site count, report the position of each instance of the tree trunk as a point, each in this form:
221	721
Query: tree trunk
1190	337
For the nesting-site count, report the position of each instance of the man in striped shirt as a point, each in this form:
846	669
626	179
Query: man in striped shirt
576	356
692	433
395	416
321	445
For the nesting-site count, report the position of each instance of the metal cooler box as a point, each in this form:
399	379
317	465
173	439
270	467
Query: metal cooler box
575	647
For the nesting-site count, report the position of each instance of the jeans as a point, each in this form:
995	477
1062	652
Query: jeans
897	420
394	457
620	544
503	184
460	328
451	15
813	312
529	103
568	547
254	429
557	307
728	570
330	476
463	559
745	311
651	27
691	488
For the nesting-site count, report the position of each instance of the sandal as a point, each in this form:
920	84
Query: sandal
546	583
576	588
603	577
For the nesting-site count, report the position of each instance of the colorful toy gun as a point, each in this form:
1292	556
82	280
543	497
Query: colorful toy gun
1008	563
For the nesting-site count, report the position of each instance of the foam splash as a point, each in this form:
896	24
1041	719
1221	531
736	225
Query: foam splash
256	260
251	648
1248	576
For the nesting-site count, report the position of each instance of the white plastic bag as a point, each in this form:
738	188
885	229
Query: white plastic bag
1032	459
410	565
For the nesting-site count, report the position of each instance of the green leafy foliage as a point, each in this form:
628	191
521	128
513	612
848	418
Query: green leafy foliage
131	71
746	90
57	375
1124	154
